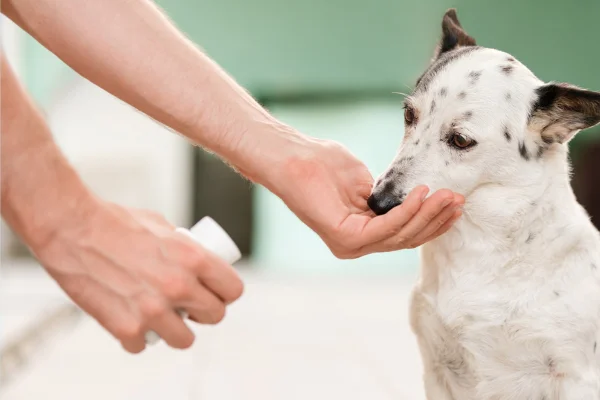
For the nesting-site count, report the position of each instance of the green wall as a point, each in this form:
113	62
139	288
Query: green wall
278	47
44	73
275	46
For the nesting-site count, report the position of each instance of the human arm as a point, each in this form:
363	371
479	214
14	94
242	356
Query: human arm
129	48
127	268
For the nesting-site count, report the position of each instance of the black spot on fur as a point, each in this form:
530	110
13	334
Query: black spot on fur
594	267
541	150
508	96
447	163
507	134
409	159
523	151
595	346
507	69
467	116
433	105
417	142
427	145
428	125
530	237
511	59
389	174
388	187
443	92
462	95
556	294
474	77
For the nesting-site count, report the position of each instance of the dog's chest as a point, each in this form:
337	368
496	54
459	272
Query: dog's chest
484	330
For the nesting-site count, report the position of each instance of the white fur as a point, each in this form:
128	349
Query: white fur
507	306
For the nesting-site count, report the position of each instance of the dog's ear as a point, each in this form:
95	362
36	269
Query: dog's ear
561	110
453	34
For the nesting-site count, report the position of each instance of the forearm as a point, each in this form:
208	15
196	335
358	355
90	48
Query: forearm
129	48
40	190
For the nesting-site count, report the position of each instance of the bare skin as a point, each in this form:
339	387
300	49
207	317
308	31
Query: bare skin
128	268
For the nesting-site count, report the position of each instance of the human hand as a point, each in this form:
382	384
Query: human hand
130	270
327	188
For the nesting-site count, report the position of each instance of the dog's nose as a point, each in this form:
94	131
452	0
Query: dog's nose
382	204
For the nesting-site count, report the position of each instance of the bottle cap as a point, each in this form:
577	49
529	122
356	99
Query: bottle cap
211	236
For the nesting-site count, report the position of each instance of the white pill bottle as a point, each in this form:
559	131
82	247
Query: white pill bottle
212	237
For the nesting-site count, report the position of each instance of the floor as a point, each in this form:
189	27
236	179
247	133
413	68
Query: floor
289	337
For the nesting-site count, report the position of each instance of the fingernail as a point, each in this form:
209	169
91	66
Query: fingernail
424	193
446	202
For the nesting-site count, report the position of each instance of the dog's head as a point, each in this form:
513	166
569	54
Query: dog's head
479	119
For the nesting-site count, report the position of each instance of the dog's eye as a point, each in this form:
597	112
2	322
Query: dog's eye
409	115
461	141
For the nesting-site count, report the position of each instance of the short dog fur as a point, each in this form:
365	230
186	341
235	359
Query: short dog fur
507	306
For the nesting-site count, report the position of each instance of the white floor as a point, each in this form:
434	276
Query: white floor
287	338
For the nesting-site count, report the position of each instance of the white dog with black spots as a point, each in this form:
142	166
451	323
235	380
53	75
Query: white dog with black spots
507	306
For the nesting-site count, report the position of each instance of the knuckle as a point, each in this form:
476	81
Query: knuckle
394	231
193	257
428	217
216	314
401	241
175	287
446	194
152	308
129	331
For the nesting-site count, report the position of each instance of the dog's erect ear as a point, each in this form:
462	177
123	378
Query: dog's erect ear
561	110
453	34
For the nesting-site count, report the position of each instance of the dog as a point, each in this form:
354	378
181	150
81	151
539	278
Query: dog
507	305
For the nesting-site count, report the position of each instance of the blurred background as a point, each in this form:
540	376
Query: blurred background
309	325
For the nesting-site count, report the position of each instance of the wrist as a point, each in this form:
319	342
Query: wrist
265	154
42	200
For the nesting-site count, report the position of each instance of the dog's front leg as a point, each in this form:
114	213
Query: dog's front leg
435	386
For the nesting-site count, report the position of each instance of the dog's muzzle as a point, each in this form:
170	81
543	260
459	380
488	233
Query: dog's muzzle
381	203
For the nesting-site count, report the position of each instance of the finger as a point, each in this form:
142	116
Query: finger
427	212
446	214
222	279
171	327
188	292
446	227
205	308
109	310
430	210
387	225
134	346
214	273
